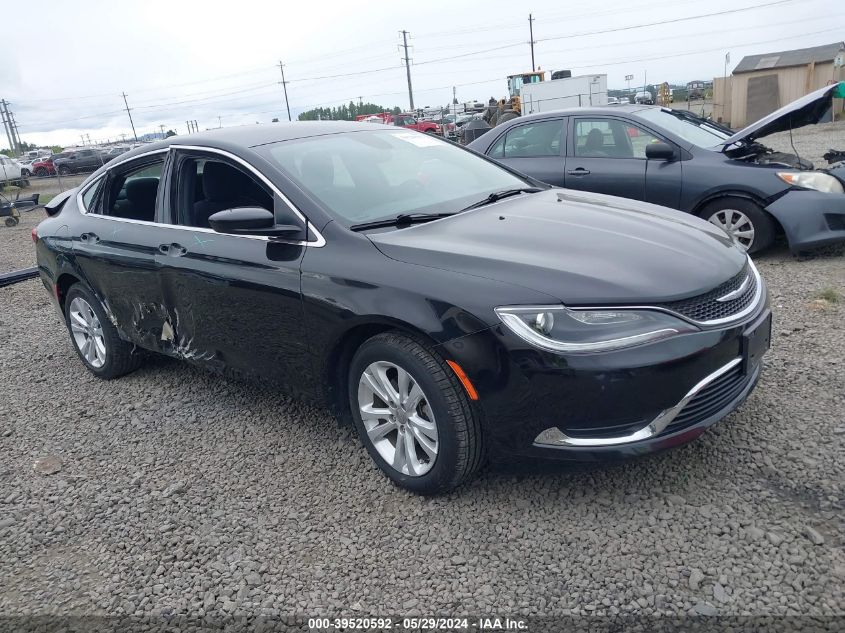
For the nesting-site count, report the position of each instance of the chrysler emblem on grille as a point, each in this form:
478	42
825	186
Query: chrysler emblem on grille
735	293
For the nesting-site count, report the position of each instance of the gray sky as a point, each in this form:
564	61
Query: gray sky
180	60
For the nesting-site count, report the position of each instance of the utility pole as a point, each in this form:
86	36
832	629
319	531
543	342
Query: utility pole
16	135
129	112
285	88
219	121
408	68
6	123
11	127
531	42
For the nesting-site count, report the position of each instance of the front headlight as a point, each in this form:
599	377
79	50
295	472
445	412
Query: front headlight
812	180
560	329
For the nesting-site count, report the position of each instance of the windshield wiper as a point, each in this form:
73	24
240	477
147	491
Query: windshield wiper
403	219
498	195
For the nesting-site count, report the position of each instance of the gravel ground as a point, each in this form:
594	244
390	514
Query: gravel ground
811	142
16	249
174	491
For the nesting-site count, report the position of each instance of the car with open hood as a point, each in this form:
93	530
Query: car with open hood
679	160
450	309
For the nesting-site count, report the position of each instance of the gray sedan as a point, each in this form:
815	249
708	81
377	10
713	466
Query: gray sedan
678	160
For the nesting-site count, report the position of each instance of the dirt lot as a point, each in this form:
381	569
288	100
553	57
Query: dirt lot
181	492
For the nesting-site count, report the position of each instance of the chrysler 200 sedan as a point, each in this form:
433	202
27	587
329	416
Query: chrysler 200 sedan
451	309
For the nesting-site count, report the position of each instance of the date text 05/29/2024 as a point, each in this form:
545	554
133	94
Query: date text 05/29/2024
418	624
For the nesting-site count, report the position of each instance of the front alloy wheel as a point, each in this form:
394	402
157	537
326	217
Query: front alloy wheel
413	414
398	418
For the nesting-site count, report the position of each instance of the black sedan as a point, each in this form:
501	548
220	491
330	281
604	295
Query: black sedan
449	308
672	158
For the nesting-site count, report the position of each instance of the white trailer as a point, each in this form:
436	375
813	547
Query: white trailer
572	92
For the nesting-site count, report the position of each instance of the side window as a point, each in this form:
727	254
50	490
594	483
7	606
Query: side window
610	138
89	196
206	186
132	190
533	139
498	149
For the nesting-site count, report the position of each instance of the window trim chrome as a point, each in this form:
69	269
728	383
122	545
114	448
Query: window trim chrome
318	243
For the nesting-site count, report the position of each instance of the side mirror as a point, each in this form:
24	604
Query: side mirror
253	221
659	151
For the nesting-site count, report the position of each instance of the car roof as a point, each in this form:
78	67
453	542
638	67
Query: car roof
249	136
626	108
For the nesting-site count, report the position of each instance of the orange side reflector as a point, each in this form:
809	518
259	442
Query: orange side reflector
461	374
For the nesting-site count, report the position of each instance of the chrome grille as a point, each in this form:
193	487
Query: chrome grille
707	307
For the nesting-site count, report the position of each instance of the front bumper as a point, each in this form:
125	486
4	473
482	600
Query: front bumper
612	405
810	218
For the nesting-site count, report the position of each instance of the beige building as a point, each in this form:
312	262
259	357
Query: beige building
761	84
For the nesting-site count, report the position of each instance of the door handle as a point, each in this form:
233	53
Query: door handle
89	238
174	250
578	172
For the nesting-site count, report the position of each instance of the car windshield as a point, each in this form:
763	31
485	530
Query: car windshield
697	132
364	176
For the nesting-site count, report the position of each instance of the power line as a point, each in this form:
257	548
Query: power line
662	22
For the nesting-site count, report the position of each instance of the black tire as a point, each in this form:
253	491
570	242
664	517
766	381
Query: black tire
460	445
63	171
762	222
41	172
120	357
431	131
11	221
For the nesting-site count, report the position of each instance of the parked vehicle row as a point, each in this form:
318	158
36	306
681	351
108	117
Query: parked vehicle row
678	160
73	161
448	306
401	120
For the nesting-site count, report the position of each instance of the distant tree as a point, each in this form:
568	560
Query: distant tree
169	134
346	112
6	152
56	149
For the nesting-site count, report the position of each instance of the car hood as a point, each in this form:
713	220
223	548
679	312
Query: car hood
581	248
808	110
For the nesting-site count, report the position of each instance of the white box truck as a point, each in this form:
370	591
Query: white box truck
572	92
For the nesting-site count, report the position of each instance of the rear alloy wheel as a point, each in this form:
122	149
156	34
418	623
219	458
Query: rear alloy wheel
743	219
94	337
413	415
